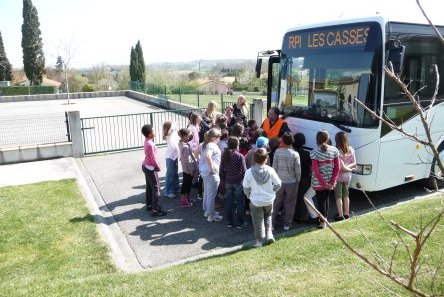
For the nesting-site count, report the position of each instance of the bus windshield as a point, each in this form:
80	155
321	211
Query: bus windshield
325	69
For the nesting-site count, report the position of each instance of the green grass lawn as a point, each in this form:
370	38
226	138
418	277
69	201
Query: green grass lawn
49	246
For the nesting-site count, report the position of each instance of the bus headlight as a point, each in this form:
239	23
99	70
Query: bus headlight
363	169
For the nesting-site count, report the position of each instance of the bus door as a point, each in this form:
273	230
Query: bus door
273	71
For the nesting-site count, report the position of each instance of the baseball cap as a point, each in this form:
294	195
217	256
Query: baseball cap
261	142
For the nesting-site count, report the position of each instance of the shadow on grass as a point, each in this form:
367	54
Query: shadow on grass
87	217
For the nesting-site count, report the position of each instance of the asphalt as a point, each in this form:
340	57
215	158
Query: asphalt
114	187
182	235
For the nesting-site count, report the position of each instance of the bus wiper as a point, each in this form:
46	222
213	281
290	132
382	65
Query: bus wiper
342	127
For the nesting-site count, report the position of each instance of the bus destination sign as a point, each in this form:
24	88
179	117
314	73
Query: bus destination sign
349	37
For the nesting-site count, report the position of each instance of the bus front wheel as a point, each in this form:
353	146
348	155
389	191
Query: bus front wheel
434	182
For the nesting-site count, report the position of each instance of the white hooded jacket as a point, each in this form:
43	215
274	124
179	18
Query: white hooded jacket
260	184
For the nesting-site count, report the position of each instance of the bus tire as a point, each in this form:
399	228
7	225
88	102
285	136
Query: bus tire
433	182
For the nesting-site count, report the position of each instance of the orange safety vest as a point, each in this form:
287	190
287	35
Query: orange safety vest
273	131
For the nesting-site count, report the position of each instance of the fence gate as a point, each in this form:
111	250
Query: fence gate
123	132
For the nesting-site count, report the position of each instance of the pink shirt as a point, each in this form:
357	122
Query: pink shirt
194	143
150	149
346	160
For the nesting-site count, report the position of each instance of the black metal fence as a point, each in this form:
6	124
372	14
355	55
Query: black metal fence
123	132
32	129
193	97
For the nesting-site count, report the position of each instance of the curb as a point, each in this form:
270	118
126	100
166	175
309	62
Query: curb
121	253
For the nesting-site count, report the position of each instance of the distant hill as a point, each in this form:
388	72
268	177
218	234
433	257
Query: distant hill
202	65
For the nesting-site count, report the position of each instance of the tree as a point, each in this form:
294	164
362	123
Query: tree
59	68
5	66
32	45
137	64
140	63
133	66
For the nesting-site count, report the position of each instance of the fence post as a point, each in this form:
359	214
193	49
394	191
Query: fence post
75	127
222	103
151	119
180	96
198	100
258	106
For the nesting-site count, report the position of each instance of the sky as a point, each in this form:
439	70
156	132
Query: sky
103	31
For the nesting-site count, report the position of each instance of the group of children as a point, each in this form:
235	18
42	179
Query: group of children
267	177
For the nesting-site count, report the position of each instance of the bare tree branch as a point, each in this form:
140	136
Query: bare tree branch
394	277
389	225
395	249
430	22
435	93
404	229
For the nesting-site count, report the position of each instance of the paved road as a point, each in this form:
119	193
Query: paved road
184	233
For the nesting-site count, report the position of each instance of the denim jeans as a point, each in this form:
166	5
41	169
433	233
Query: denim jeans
235	195
211	183
171	177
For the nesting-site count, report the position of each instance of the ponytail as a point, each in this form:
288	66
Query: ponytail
209	135
322	140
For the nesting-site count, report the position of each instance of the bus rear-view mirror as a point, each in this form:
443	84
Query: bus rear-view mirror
396	55
258	67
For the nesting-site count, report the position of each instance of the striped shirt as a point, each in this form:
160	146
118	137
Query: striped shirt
325	167
287	164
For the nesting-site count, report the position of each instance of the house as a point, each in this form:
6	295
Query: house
45	82
213	87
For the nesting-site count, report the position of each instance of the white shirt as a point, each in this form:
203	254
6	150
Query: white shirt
172	151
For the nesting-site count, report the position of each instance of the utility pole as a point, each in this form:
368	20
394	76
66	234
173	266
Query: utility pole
66	79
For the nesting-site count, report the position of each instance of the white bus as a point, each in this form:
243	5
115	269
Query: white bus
322	68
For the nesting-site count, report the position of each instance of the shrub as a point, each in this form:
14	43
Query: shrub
89	88
25	90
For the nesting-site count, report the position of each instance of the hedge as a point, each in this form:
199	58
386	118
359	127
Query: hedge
24	90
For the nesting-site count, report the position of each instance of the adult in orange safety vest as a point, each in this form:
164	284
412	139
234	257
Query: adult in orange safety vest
273	125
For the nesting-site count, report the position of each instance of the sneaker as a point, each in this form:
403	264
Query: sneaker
286	228
346	217
242	226
339	218
206	214
258	244
186	204
322	225
215	218
170	195
270	239
159	213
229	225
